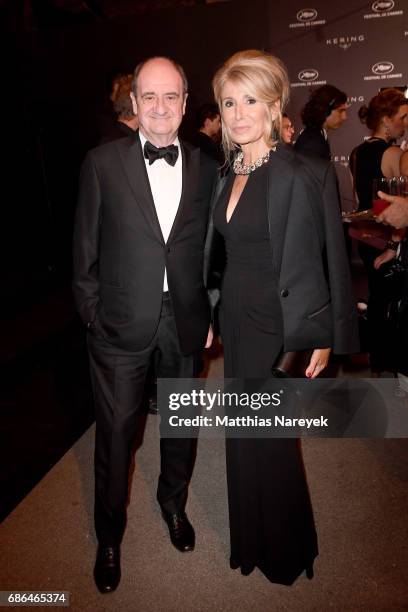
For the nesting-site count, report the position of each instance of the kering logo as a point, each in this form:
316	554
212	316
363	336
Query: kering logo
345	42
308	76
342	160
307	15
380	6
355	99
383	70
306	18
383	8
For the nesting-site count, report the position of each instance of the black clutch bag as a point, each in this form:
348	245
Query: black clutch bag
292	364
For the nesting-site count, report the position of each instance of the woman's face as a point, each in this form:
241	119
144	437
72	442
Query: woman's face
244	118
398	123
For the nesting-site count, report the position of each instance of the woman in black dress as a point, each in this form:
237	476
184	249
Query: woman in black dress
377	157
277	213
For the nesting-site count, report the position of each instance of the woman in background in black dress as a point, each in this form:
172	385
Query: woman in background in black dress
277	213
377	157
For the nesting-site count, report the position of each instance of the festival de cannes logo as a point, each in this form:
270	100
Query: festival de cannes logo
306	18
307	15
383	70
380	6
383	8
306	77
308	74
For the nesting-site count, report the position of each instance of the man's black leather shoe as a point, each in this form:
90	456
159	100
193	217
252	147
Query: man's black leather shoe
107	568
181	531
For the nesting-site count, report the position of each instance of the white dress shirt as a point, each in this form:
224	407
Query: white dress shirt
166	184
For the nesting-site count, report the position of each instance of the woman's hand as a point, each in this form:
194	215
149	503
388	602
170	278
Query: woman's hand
318	361
387	255
210	337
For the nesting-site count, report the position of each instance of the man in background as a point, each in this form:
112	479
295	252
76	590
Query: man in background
287	129
209	131
126	122
325	110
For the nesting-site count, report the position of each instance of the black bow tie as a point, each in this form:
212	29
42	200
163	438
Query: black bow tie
170	153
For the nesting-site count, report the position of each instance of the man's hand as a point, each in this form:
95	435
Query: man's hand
318	361
397	213
210	337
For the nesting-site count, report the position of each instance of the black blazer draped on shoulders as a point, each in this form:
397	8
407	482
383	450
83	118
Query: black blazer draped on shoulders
308	253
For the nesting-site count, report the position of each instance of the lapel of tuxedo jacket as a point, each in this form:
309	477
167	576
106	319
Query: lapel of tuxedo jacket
191	175
135	168
280	186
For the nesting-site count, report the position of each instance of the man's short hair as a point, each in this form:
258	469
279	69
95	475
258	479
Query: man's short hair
122	104
206	111
320	104
177	66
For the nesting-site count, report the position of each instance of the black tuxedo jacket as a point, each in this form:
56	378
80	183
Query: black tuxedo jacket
312	142
308	254
120	255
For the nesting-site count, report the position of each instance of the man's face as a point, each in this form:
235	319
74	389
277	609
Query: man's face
287	130
336	118
160	101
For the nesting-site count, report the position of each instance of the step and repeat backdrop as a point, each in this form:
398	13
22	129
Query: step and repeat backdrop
359	47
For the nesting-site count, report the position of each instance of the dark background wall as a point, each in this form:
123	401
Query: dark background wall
60	89
53	99
340	43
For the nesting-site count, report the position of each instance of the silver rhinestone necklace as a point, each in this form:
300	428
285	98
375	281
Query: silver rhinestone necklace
240	168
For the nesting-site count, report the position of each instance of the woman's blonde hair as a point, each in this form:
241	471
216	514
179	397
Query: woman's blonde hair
263	76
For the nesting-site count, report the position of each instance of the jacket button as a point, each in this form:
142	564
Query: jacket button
168	249
284	293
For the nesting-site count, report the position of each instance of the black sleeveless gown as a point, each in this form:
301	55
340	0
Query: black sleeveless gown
271	520
382	340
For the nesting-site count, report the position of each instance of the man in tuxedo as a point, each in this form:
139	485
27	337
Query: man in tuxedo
138	284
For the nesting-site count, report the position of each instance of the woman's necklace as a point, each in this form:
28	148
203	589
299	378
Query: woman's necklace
240	168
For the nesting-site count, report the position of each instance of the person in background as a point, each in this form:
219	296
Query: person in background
325	110
396	214
404	162
209	131
127	122
377	157
287	130
105	116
